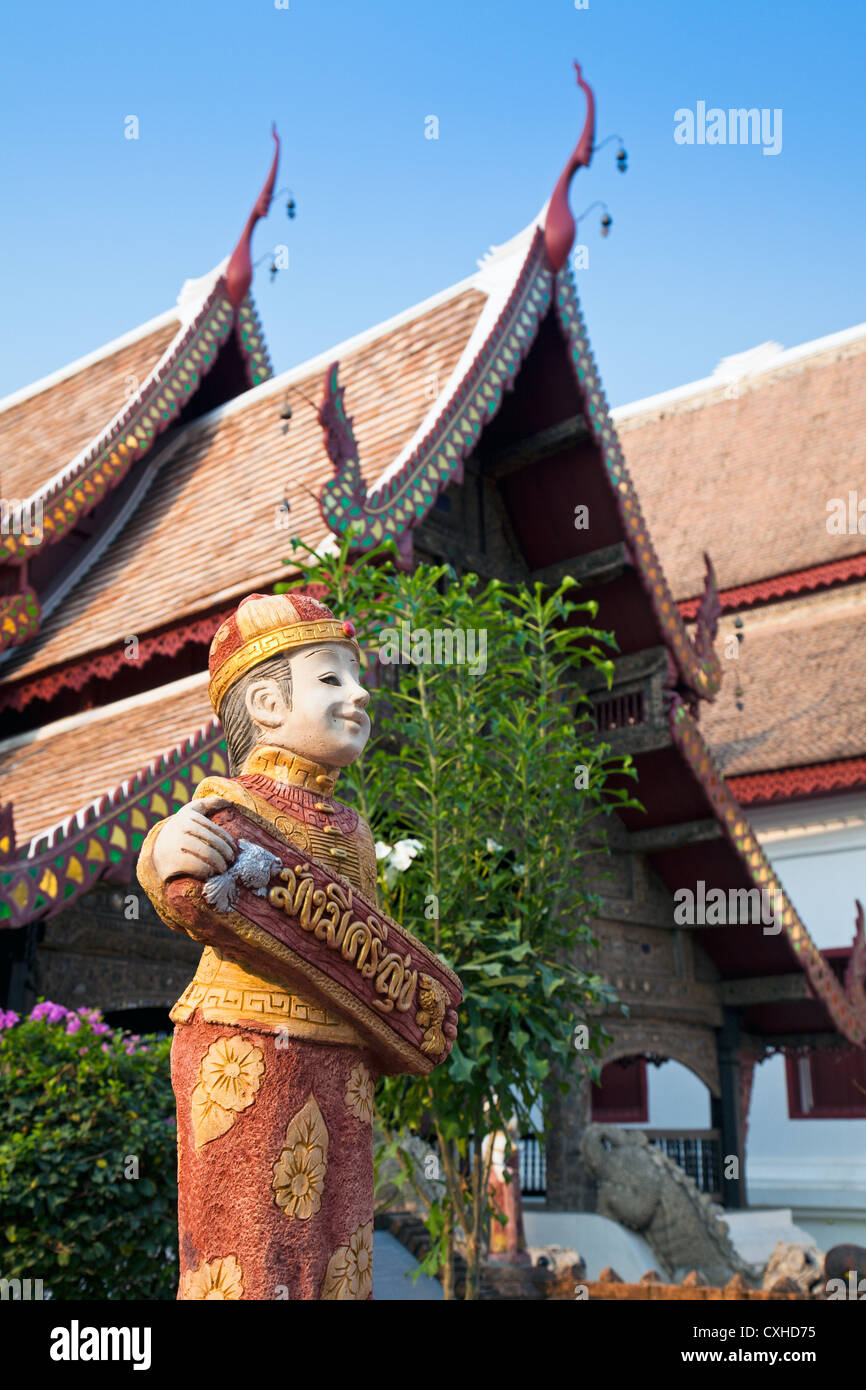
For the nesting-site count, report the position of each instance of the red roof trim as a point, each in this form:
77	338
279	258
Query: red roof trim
783	586
791	783
75	674
845	1002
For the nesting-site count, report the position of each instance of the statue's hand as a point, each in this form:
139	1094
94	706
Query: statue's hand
449	1028
191	844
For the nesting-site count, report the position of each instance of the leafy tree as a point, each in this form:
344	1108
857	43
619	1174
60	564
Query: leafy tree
88	1190
489	783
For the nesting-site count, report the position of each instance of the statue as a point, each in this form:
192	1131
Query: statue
642	1188
305	993
507	1241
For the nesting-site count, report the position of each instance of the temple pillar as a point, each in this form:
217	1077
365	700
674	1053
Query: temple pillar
569	1185
727	1111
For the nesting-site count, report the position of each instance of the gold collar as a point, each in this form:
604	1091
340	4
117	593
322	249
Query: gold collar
290	769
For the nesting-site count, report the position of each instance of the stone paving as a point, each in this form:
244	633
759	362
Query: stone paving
392	1267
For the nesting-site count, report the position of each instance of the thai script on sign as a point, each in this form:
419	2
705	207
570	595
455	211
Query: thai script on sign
329	915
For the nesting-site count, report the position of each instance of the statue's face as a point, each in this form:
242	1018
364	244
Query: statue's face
328	720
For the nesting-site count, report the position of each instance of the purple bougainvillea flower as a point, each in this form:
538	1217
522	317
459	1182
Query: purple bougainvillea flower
73	1025
100	1028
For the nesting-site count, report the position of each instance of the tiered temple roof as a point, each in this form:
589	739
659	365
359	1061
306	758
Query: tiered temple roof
507	344
745	463
210	530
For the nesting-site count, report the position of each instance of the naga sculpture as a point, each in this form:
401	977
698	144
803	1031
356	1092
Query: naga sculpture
642	1188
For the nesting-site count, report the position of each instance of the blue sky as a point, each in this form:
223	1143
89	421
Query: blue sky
713	249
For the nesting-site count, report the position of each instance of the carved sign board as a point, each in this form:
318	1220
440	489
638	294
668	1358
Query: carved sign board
290	920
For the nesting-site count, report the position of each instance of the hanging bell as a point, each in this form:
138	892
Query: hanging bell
606	223
290	208
621	160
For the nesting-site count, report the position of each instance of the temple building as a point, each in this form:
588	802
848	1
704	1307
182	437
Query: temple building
760	464
156	482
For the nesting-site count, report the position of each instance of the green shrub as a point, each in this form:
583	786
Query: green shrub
88	1189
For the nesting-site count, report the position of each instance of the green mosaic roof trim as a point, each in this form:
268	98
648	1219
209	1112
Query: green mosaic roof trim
400	503
55	869
848	1013
253	346
702	675
152	410
20	615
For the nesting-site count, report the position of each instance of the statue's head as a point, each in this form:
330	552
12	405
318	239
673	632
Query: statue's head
285	672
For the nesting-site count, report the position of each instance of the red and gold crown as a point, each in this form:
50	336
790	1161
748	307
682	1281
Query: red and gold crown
266	625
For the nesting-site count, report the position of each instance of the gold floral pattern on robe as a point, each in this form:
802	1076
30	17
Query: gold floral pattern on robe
350	1269
229	1077
218	1279
360	1089
299	1172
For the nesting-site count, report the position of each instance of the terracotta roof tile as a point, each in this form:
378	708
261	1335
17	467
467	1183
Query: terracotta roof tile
59	773
802	672
42	433
210	525
749	479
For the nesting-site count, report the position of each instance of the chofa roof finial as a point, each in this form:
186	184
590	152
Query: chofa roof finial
239	272
559	224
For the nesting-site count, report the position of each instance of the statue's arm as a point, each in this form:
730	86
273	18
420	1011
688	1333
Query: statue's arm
187	844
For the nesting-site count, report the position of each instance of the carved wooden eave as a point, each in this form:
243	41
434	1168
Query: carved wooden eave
526	280
102	840
129	438
168	640
844	1000
406	491
399	500
212	311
